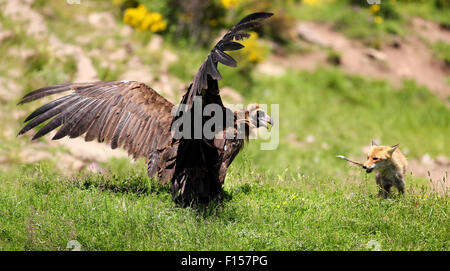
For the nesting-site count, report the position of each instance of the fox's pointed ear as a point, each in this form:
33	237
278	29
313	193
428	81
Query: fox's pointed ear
374	143
393	148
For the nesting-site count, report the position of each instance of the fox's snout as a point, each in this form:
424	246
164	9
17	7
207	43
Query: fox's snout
369	168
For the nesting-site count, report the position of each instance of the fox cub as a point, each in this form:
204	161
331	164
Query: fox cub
390	165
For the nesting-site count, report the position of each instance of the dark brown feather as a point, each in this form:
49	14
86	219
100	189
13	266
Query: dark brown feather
107	111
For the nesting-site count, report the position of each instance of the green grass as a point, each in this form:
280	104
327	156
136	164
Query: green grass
346	112
442	51
332	209
40	210
288	199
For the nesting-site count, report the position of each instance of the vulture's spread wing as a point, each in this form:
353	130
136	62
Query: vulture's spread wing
124	113
207	76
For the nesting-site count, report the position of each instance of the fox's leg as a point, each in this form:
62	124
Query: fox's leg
380	188
386	190
400	184
384	187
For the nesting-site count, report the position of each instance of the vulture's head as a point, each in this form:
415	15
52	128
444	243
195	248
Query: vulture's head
252	117
257	117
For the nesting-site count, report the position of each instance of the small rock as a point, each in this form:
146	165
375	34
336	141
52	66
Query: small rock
118	55
308	34
31	155
427	160
292	139
24	53
3	159
325	146
155	43
442	160
134	62
310	139
85	69
5	35
375	54
102	20
8	89
270	69
168	57
396	43
125	31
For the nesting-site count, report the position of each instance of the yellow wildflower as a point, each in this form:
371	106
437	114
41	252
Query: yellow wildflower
230	3
253	50
374	8
160	26
133	16
311	2
378	19
278	206
143	19
294	196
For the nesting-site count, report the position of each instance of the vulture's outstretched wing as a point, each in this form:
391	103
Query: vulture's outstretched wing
126	114
207	76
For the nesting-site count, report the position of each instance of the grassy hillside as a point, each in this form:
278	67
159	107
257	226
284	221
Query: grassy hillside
297	197
126	211
286	199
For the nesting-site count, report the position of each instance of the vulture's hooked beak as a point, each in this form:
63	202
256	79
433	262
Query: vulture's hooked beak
265	121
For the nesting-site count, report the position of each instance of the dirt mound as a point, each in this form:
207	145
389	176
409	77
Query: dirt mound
410	58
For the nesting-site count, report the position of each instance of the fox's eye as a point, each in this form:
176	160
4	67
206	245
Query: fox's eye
375	158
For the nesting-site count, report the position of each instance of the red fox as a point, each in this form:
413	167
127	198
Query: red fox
390	165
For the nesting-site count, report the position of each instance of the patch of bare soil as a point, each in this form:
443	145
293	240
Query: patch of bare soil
411	58
429	30
436	170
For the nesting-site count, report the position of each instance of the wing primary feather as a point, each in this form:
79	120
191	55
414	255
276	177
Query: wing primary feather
211	69
48	106
231	46
218	54
71	117
48	114
84	124
225	58
115	139
247	26
255	16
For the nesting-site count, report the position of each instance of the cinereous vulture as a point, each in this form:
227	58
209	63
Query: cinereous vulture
133	116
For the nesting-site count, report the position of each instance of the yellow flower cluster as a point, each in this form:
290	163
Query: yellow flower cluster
374	10
230	3
141	18
293	197
312	2
253	50
317	2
